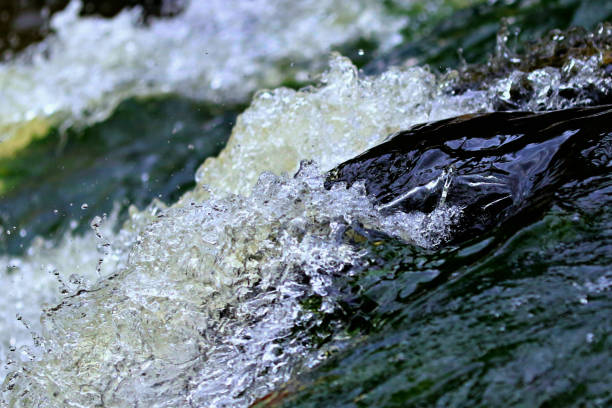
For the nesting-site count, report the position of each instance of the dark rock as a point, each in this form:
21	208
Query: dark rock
496	165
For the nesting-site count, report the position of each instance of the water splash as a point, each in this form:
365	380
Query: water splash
206	287
345	115
564	69
47	273
216	50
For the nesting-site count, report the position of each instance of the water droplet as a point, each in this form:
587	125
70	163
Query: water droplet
190	146
589	337
360	52
95	223
23	233
55	211
84	206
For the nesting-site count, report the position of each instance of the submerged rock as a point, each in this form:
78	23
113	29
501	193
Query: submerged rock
494	166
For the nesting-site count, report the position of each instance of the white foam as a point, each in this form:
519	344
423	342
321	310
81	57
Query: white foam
201	310
216	50
37	279
330	123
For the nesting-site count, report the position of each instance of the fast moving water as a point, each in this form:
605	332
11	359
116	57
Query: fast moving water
468	266
516	315
215	50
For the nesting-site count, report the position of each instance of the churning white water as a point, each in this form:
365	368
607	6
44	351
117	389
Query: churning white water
195	303
199	306
216	50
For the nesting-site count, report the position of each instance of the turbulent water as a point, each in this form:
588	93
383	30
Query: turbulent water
254	278
212	286
215	50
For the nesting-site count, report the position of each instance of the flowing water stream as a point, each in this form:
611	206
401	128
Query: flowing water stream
279	203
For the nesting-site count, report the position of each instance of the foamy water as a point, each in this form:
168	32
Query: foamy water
215	50
199	307
195	303
330	123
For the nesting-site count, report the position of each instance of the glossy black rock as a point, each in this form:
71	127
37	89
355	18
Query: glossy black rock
496	166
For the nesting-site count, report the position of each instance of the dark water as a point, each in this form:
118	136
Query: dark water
469	34
495	166
148	148
523	321
518	314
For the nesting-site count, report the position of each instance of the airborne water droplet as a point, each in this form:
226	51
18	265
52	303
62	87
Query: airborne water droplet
95	222
84	206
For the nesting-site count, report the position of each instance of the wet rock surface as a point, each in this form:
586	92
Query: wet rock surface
495	166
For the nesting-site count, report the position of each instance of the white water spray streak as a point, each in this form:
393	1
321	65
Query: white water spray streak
216	50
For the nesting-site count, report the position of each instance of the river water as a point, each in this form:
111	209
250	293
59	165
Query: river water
229	205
